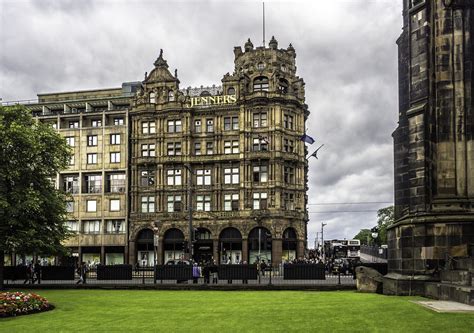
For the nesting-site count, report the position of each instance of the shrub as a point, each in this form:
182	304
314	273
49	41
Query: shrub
18	303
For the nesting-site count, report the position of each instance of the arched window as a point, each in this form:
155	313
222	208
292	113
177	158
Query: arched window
230	246
231	91
260	245
260	84
283	86
289	244
152	98
171	96
144	247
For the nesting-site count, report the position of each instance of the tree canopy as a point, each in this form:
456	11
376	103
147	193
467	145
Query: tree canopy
385	217
32	211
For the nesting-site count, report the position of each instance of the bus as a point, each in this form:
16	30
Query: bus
353	249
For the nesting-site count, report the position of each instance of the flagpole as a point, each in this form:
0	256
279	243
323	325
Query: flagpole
263	3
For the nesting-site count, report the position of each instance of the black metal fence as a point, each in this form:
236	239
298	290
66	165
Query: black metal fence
374	251
122	275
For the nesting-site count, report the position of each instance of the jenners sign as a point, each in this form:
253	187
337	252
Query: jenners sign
212	100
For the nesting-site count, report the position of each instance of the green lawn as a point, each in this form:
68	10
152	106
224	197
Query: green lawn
233	311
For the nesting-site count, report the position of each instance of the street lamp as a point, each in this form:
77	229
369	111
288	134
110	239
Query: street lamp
322	240
190	210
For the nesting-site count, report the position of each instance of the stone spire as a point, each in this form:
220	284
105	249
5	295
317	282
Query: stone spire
160	62
273	43
248	46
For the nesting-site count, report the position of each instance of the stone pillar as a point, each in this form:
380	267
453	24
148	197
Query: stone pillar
102	255
300	249
245	250
132	260
159	251
277	248
215	250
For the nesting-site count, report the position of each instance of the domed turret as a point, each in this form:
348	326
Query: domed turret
248	46
273	43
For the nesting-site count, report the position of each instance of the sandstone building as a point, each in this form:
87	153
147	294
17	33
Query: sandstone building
433	144
144	152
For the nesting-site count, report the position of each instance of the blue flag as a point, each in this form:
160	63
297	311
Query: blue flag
307	139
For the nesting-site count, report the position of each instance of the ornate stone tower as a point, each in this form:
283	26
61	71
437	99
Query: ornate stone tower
433	143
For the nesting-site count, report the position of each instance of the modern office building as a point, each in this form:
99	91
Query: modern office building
146	153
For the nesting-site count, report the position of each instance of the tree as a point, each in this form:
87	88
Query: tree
385	217
32	211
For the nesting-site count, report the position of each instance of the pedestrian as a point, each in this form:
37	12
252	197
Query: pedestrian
29	273
196	273
213	271
263	267
36	272
206	273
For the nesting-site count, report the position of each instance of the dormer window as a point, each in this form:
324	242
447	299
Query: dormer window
260	84
283	86
171	96
231	91
152	98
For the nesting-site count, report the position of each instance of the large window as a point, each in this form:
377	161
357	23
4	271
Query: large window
148	150
115	227
93	183
114	205
203	177
209	125
71	184
231	147
289	175
260	84
174	203
115	157
148	204
260	119
116	183
231	175
174	148
198	126
209	148
173	177
148	127
91	205
70	206
197	148
260	200
96	123
203	203
92	140
288	121
174	126
91	227
288	201
70	141
288	146
260	144
260	173
92	158
74	124
147	178
231	123
72	226
114	139
231	202
118	121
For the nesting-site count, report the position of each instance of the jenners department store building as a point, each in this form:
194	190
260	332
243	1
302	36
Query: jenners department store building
135	148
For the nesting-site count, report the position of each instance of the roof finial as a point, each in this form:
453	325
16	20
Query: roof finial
160	62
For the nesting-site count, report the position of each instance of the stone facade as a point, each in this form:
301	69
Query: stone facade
240	142
433	144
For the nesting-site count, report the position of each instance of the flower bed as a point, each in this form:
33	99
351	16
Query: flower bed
18	303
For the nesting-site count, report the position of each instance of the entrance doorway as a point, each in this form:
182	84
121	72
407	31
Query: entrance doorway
145	249
203	247
230	246
173	243
289	245
260	245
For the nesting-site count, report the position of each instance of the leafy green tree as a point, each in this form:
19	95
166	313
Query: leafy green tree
385	217
32	211
363	236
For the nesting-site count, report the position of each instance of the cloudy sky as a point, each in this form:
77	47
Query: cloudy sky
346	54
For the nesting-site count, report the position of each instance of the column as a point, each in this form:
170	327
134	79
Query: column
215	250
300	249
245	250
131	253
159	251
102	255
277	248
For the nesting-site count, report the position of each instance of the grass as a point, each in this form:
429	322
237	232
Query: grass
233	311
